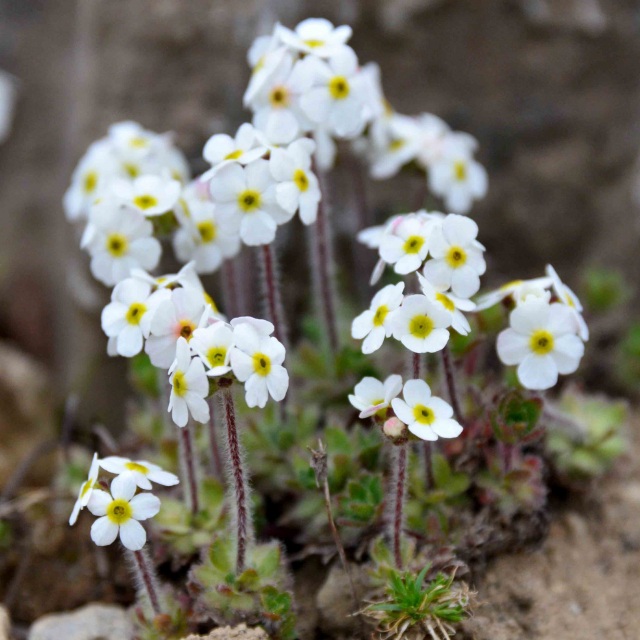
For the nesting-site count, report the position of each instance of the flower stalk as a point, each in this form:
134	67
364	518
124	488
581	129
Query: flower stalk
189	465
146	578
230	290
398	487
216	460
271	291
451	384
237	479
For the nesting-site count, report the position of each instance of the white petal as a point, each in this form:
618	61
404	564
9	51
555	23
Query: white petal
144	506
423	431
374	340
402	410
132	535
538	372
123	487
103	531
567	353
99	502
256	393
278	382
513	347
416	392
162	477
362	324
114	464
447	428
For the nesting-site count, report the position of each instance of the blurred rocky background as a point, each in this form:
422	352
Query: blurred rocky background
549	87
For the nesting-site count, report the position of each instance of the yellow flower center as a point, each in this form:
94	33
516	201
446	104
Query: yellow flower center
117	244
279	97
185	329
456	257
216	356
145	201
234	155
460	171
510	285
445	301
209	300
261	364
249	200
396	145
90	182
207	230
413	244
301	180
139	142
541	342
423	414
420	326
180	386
135	312
314	44
339	88
132	169
134	466
86	487
380	413
381	313
119	511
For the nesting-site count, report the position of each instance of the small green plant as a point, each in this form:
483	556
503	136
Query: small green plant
413	610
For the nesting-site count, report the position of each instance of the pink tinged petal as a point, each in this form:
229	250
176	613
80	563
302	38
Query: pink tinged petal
144	506
99	502
278	382
538	372
374	340
256	392
440	408
362	324
402	410
513	347
416	392
369	411
423	431
123	487
227	183
447	428
198	407
179	410
567	353
164	478
103	531
132	535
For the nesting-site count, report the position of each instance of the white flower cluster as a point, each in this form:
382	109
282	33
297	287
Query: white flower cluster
120	510
546	333
180	329
451	258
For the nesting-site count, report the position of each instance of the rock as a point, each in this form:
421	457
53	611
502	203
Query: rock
5	624
241	632
94	621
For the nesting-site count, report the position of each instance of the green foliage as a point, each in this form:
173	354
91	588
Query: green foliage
256	596
604	289
186	533
361	503
588	447
143	375
412	609
172	624
627	366
516	417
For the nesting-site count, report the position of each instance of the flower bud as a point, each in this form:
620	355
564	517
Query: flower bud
394	428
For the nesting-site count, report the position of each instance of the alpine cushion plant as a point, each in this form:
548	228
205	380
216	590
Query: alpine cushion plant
439	447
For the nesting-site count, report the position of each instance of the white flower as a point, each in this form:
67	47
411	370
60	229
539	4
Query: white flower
142	472
96	169
541	340
568	297
456	177
326	148
189	387
337	99
276	105
175	318
244	148
372	237
406	244
149	194
257	361
86	489
315	36
450	304
518	290
432	133
127	318
375	323
186	277
457	257
399	145
249	194
374	397
421	325
118	240
129	137
120	512
214	345
426	416
297	188
206	237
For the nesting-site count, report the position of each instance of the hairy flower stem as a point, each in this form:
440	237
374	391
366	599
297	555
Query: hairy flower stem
398	487
451	384
147	579
230	288
216	460
416	365
238	479
271	292
189	467
323	266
